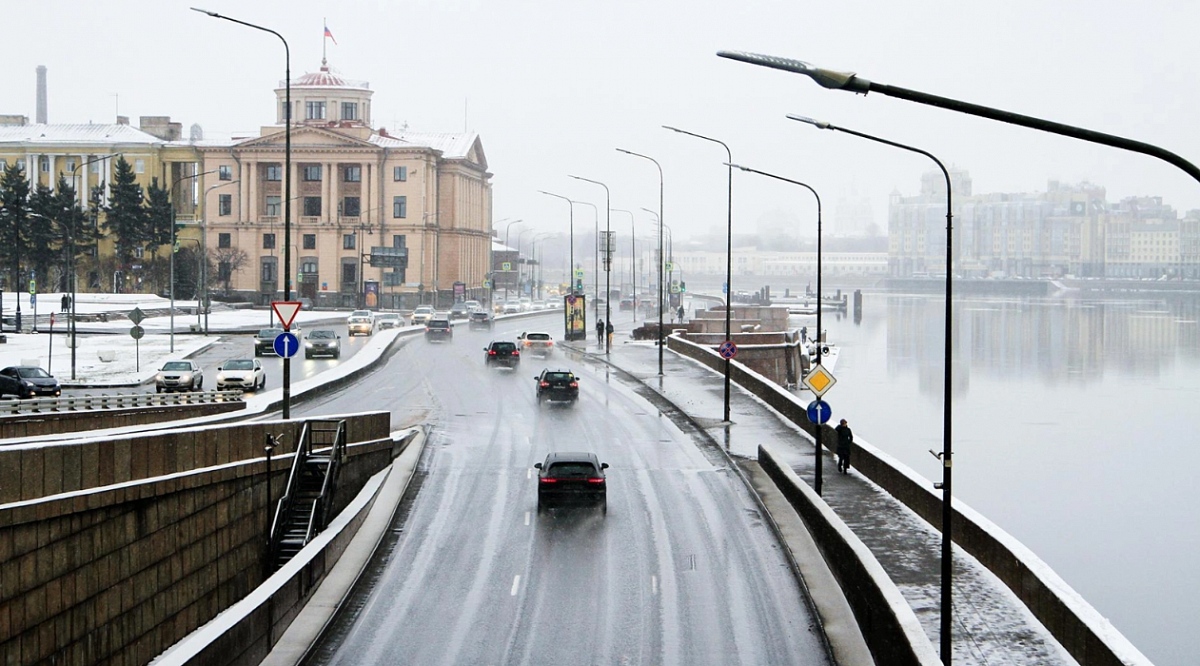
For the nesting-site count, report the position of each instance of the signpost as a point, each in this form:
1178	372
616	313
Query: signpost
136	333
286	311
819	411
727	350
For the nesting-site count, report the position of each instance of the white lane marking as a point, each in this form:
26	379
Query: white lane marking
528	442
654	585
529	473
516	584
527	518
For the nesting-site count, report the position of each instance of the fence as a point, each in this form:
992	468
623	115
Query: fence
117	401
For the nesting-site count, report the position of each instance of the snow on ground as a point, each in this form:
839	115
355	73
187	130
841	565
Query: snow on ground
220	320
89	303
125	355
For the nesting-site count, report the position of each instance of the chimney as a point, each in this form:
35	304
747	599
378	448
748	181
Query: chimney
122	120
41	94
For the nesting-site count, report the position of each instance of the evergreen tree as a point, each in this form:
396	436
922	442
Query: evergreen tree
125	215
41	250
14	214
158	216
73	229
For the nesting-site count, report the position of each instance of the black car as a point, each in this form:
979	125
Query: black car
323	343
459	311
264	342
560	385
480	319
30	381
572	479
502	353
439	329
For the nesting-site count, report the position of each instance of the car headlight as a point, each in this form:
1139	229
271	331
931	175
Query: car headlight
220	376
307	344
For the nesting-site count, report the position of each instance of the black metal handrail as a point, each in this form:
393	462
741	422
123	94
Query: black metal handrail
303	449
318	518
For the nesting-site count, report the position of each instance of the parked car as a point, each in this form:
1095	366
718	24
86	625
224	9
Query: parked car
305	303
536	343
572	478
361	322
560	385
179	376
439	330
245	374
264	342
502	353
459	311
32	381
422	314
323	343
388	320
480	319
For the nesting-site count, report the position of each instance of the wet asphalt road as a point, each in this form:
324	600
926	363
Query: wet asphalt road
681	570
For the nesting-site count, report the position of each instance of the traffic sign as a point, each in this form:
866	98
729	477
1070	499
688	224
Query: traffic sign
137	316
578	273
286	311
487	284
571	299
137	332
819	381
286	344
727	349
506	266
724	287
819	411
33	286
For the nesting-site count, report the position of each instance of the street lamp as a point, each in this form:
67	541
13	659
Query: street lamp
204	249
632	255
71	257
607	256
819	346
519	237
947	514
661	256
571	208
536	272
287	190
173	242
596	262
728	254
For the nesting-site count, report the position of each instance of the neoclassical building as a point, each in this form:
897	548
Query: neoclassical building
425	196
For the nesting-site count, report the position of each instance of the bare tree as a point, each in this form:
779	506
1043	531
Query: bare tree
224	263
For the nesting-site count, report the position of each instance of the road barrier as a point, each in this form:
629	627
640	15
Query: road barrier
117	401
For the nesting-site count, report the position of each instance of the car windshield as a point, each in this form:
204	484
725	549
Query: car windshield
238	365
503	346
322	335
571	470
177	365
269	332
423	309
389	316
459	306
32	373
361	313
538	336
439	323
559	376
479	314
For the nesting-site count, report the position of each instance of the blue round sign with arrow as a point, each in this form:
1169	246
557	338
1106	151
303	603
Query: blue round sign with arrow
819	411
286	345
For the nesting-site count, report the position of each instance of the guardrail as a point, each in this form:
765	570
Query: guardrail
117	401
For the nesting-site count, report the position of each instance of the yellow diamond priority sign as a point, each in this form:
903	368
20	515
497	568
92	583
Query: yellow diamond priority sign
819	381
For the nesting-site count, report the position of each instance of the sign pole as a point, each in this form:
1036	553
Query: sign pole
50	352
286	311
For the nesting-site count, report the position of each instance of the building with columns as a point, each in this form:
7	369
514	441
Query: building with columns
424	196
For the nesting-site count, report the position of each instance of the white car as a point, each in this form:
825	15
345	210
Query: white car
512	307
421	315
361	322
526	304
246	374
539	305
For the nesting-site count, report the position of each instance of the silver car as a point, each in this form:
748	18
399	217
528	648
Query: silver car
179	376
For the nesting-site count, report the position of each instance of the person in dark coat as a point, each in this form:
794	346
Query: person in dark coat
844	439
600	332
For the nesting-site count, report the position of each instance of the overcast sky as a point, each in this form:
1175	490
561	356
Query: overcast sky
554	87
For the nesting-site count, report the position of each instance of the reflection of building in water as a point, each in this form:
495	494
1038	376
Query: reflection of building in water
1044	341
1066	230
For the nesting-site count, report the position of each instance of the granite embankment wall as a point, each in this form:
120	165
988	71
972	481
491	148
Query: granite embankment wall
38	424
112	550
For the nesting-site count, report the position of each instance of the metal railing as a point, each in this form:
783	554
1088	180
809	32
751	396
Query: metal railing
115	401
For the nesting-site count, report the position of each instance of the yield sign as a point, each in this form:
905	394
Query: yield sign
286	311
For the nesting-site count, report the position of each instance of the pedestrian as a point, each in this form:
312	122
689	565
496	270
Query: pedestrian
66	303
600	332
610	333
844	439
681	313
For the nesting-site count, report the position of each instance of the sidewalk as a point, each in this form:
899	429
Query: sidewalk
991	625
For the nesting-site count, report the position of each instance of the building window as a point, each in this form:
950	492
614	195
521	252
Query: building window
349	273
273	204
94	168
71	165
348	241
308	266
312	206
349	111
274	173
225	204
225	172
312	172
351	207
398	241
316	111
44	164
270	269
400	206
310	241
139	166
21	164
400	173
224	241
268	241
352	174
139	253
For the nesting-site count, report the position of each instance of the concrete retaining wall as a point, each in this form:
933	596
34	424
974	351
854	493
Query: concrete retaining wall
47	423
145	540
1083	632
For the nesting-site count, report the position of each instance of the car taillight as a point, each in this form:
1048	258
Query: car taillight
574	384
595	480
545	384
492	353
426	329
545	480
549	343
528	343
516	352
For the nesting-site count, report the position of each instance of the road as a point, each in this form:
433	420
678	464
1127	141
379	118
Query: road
681	570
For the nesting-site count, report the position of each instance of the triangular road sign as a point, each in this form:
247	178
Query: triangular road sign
286	311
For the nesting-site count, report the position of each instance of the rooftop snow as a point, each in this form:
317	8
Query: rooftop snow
75	133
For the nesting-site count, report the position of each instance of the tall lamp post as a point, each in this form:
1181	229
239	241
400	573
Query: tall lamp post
571	213
506	245
596	263
632	255
71	256
819	346
173	249
728	253
287	190
661	256
519	237
947	513
607	256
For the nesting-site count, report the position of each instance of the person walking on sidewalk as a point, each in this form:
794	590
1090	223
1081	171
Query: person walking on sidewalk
600	332
844	439
610	333
681	313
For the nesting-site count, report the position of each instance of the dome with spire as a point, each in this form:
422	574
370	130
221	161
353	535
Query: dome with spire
326	98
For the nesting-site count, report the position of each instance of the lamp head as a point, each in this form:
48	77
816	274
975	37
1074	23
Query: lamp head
819	124
205	11
826	78
736	166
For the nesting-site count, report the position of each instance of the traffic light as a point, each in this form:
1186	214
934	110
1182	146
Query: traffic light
682	287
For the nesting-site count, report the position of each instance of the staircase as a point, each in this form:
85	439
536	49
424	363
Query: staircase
306	506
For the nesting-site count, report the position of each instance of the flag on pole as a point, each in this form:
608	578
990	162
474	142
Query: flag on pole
330	35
